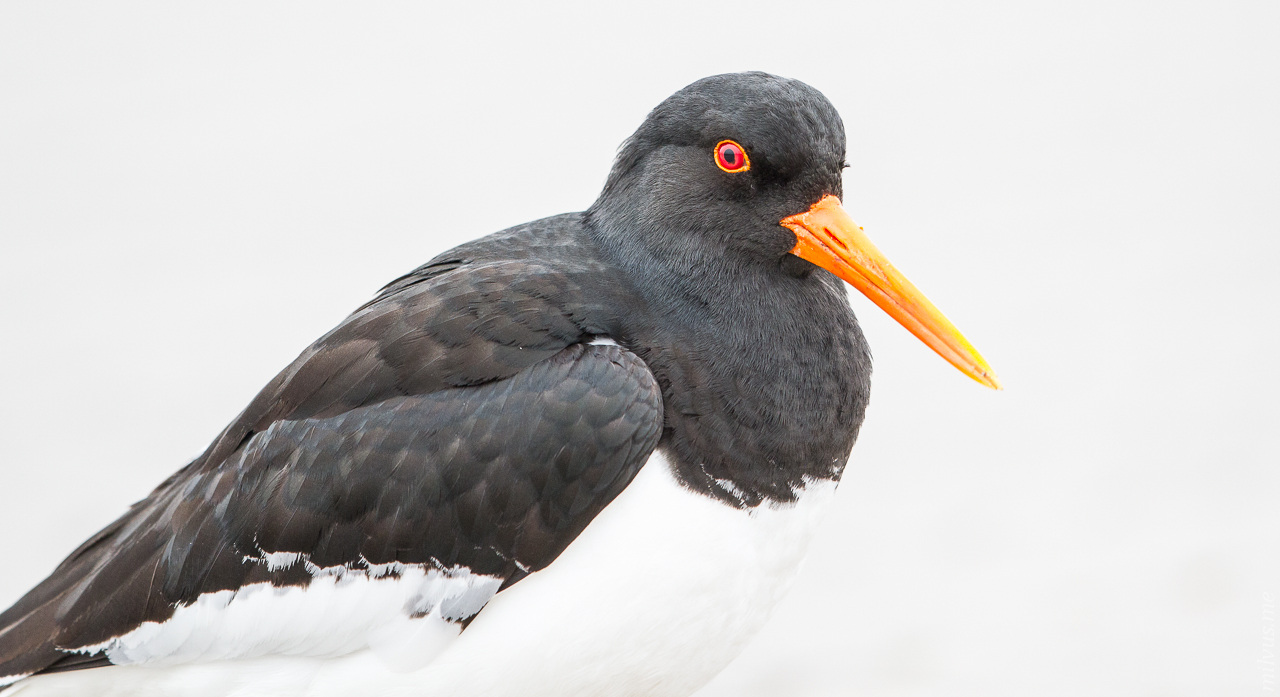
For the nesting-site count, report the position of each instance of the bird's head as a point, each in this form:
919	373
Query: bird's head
743	171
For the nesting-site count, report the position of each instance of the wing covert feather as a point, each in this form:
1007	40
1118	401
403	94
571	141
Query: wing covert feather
458	419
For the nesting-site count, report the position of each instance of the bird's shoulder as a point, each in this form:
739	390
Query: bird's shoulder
480	312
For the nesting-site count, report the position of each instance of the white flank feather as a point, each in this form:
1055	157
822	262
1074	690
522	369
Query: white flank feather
655	597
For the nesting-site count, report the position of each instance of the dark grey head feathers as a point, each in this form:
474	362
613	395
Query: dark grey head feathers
665	180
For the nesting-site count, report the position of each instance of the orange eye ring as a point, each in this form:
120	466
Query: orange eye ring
731	157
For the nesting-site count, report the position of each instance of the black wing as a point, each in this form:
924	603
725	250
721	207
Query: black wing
455	421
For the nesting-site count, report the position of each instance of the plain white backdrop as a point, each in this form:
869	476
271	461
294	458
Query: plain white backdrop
192	193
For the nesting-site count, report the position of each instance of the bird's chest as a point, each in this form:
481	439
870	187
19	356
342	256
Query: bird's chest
665	587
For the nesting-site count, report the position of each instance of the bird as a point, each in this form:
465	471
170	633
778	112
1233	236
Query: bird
580	456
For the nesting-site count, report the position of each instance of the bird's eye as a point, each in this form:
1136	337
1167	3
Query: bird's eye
731	157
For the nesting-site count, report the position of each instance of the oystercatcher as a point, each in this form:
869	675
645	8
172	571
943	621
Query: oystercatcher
581	456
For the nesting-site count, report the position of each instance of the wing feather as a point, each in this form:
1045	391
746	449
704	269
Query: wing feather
496	480
456	422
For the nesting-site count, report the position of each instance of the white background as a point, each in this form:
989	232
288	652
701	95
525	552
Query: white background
190	193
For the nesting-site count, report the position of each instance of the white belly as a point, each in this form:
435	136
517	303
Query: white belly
655	597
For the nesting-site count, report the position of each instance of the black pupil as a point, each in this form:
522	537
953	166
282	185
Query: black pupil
730	155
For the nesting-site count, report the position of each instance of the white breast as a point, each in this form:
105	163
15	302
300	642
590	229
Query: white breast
654	598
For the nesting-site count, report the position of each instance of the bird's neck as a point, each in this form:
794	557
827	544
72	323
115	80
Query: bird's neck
765	375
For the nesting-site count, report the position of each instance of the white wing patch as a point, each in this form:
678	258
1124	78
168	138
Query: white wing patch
277	561
405	613
10	679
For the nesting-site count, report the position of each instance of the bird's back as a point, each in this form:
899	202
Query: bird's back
446	440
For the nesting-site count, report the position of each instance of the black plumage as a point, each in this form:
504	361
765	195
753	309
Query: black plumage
461	418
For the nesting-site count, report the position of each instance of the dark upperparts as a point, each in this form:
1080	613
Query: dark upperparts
764	372
764	379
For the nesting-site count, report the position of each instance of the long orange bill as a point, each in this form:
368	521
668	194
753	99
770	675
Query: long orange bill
828	237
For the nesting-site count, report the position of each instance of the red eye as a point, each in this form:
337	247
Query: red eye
731	157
